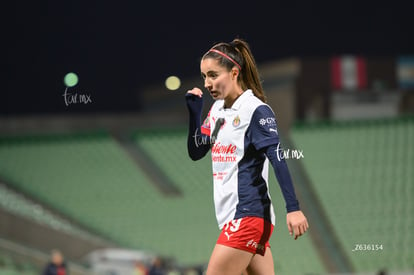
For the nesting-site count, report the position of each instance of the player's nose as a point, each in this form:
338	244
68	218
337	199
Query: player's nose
207	84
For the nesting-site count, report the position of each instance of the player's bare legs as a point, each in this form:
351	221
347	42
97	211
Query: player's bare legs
228	261
231	261
261	265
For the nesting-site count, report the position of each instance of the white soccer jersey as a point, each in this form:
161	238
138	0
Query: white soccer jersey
240	167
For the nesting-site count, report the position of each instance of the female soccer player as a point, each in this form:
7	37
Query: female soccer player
241	132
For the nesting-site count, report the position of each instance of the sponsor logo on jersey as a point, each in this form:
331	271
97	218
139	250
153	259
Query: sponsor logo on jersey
223	153
273	130
270	121
219	148
219	175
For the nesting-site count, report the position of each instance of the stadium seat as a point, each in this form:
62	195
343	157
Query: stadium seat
362	172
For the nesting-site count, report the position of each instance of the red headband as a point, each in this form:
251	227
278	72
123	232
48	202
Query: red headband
226	56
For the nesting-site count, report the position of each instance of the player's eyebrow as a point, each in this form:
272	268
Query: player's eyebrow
212	72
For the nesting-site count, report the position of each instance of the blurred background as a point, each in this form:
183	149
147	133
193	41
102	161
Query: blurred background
93	163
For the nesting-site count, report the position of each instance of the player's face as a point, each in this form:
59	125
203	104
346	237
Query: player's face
57	258
217	79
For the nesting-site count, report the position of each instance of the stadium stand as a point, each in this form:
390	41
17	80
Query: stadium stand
88	178
19	259
9	267
362	173
19	205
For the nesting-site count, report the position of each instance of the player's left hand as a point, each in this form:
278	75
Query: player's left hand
297	223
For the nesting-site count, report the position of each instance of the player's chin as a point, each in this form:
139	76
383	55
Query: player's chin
215	95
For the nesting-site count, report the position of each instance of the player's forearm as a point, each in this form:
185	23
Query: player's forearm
283	177
197	144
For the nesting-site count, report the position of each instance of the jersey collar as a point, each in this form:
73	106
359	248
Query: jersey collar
237	104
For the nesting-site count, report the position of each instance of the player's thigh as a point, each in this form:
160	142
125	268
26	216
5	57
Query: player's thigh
261	265
228	261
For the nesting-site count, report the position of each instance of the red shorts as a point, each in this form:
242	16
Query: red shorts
251	234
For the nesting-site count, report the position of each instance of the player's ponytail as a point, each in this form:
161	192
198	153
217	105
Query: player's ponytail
237	53
250	76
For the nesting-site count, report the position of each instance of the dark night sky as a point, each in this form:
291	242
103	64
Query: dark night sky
118	47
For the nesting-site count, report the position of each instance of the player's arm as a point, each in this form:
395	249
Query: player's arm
295	219
264	136
198	143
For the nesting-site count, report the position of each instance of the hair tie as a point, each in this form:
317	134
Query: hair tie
226	56
233	44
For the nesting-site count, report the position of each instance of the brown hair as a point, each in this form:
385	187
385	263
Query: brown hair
238	53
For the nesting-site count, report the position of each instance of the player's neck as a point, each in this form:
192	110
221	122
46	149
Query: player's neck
229	101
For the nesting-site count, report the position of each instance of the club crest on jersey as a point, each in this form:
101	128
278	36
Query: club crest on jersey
236	121
206	122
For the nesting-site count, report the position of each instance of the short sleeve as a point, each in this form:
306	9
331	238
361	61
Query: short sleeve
262	130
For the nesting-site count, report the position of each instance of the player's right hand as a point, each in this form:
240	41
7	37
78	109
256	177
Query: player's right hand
194	98
195	91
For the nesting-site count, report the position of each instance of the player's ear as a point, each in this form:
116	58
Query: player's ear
234	73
